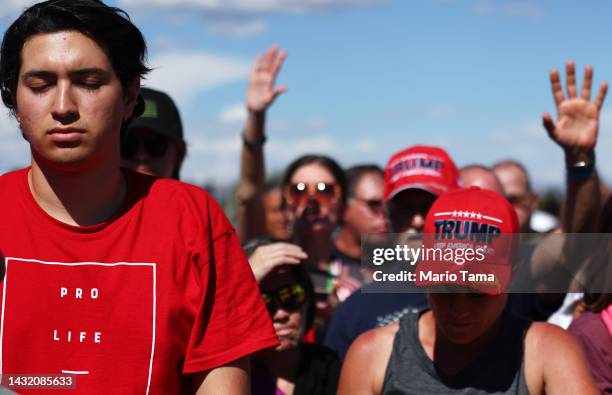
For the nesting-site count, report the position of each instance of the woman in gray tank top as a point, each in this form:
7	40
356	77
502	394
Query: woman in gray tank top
466	343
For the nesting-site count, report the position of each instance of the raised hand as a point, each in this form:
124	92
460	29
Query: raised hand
261	91
267	257
577	116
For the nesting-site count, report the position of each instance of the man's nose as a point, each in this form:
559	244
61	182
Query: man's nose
418	221
65	109
280	314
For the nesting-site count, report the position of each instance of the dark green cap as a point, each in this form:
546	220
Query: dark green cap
160	115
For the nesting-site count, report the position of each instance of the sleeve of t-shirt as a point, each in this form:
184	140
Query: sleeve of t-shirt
232	321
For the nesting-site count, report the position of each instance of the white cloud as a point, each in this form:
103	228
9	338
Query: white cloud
241	7
238	28
183	74
235	113
243	18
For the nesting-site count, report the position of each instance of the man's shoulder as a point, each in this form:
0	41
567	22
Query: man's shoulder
12	178
544	342
189	204
375	340
167	191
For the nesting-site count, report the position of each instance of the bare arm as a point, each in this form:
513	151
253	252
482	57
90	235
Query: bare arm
555	264
261	93
575	131
554	363
363	371
233	378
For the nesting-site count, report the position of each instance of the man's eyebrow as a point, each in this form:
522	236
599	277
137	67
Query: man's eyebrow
75	73
89	71
38	74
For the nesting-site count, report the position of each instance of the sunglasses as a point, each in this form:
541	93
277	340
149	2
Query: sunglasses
153	144
520	200
324	193
291	297
376	206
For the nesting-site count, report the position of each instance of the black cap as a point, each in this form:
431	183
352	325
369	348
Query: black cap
160	115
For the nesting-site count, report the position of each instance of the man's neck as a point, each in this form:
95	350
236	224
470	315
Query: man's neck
451	358
282	364
348	244
78	198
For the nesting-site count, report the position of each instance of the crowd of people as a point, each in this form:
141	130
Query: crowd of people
127	280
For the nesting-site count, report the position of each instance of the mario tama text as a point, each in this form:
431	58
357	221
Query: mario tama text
431	263
448	256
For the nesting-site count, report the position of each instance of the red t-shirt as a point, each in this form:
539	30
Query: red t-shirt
160	290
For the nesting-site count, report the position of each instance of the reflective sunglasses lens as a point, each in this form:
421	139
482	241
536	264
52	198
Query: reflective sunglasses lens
298	193
292	297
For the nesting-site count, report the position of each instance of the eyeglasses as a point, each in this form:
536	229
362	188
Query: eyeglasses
155	145
375	205
291	297
300	193
520	200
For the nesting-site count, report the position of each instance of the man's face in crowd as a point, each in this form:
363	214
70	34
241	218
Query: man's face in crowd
276	217
149	152
464	316
70	103
516	190
407	210
365	211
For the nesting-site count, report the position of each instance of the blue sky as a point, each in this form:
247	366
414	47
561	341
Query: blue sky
368	77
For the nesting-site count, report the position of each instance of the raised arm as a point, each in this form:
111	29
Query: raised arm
261	93
556	261
575	131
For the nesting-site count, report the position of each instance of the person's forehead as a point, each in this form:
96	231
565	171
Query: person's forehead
311	173
484	179
370	186
512	179
62	51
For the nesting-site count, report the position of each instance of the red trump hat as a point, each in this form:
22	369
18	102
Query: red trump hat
420	167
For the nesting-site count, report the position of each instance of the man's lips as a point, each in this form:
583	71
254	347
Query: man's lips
66	135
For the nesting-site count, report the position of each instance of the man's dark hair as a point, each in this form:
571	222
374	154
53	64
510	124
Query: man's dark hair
331	165
109	27
354	174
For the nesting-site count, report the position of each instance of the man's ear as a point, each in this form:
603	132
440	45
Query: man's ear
131	98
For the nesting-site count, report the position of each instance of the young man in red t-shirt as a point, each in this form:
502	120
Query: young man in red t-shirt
132	284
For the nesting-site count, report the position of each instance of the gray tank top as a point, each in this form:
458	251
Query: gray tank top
500	370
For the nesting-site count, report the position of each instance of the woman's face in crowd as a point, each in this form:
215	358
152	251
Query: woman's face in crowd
289	322
317	205
464	317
